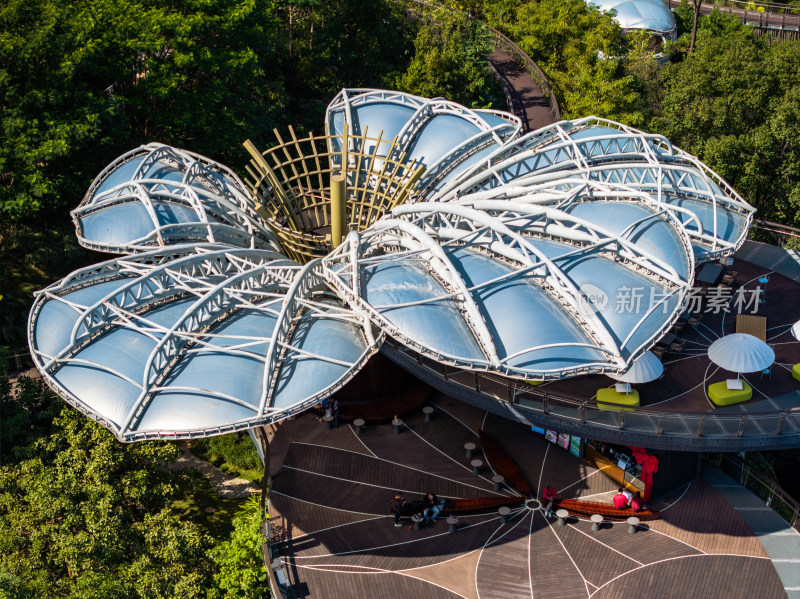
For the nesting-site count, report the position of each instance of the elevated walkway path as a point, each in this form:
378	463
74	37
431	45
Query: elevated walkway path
527	100
780	541
781	25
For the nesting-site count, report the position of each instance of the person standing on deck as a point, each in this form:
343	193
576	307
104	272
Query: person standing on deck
397	506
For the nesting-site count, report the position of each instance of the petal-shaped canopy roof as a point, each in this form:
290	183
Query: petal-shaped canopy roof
196	339
442	136
715	216
520	288
567	251
157	195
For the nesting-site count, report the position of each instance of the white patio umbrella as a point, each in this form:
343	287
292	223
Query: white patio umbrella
740	352
796	330
644	369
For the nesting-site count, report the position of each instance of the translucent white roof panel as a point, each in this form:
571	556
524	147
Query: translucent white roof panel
651	15
441	136
504	284
600	150
521	315
404	292
157	195
195	341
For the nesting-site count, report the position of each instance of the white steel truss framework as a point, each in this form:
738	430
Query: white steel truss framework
618	154
220	283
222	209
507	231
468	243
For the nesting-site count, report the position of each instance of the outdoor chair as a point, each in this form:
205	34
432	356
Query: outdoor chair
677	345
694	320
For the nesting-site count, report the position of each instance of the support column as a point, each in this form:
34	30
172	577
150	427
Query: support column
338	213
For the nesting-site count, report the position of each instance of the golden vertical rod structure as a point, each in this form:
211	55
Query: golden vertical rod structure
338	204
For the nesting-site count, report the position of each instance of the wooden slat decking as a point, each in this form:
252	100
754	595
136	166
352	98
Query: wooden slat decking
530	103
332	528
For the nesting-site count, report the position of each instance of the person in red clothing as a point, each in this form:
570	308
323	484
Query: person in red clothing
548	497
637	503
620	501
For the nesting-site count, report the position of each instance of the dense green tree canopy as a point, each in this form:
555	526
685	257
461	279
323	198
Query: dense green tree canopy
239	566
735	102
450	61
580	50
82	80
82	515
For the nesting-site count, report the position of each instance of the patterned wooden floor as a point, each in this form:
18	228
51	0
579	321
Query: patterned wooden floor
330	520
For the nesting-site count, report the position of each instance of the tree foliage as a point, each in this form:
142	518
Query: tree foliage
580	49
331	45
85	79
450	61
239	564
735	102
83	516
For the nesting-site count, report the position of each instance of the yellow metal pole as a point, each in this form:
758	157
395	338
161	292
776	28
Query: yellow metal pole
338	214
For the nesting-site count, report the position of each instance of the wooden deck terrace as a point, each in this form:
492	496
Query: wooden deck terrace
333	533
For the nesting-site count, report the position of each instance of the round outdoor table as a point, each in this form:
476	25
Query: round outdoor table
504	512
417	520
397	423
597	520
497	479
428	411
476	467
328	420
562	517
633	522
453	522
470	447
359	424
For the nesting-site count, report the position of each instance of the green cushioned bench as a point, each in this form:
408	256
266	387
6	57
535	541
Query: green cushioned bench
722	396
796	371
611	399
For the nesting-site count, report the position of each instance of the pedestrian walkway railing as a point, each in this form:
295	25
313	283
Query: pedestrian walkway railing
19	358
765	487
766	16
266	532
775	234
700	429
503	43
